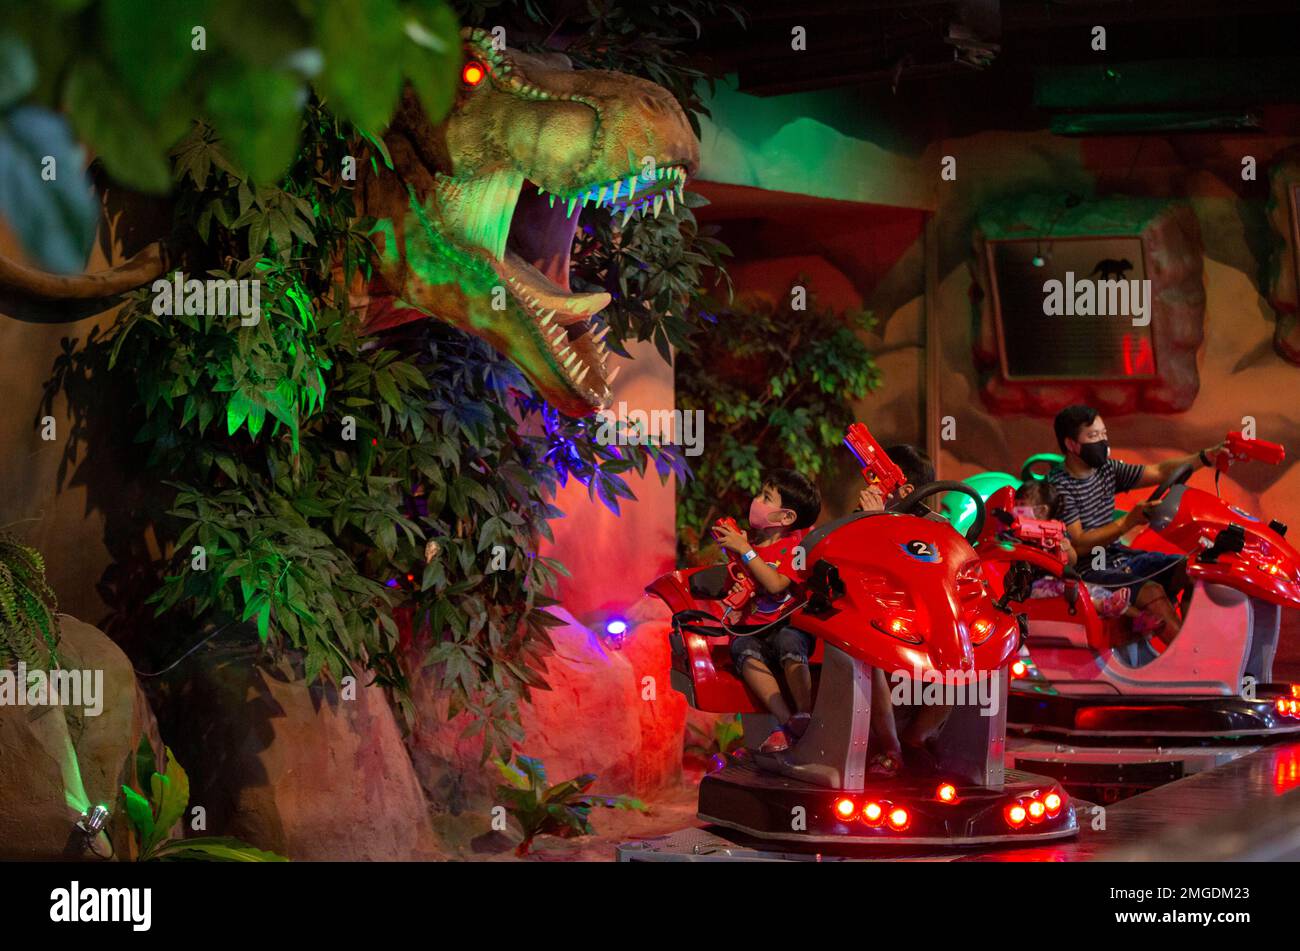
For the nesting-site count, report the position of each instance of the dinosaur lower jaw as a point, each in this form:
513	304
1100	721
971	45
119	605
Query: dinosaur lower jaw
531	253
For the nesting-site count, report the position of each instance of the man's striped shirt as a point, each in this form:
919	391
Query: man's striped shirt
1091	501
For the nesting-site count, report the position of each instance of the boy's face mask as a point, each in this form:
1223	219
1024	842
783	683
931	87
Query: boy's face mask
765	515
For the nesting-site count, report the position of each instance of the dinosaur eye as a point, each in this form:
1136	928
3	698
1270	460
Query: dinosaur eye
473	73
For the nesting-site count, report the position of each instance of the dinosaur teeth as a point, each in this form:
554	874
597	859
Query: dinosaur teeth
600	199
631	187
600	334
573	202
659	201
669	196
609	380
627	213
617	186
582	374
552	201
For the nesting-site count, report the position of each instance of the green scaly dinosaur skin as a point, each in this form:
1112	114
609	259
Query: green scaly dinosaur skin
476	219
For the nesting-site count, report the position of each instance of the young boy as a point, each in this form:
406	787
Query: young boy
779	517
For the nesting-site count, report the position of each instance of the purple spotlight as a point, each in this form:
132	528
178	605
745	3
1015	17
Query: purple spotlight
616	627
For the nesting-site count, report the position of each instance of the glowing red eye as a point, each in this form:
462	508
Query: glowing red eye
473	73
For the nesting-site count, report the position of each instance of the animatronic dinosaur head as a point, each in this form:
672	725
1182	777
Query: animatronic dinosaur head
476	223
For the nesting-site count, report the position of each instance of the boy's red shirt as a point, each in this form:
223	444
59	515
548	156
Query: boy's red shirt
779	555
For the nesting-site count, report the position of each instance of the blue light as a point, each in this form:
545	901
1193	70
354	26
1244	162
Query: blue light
616	628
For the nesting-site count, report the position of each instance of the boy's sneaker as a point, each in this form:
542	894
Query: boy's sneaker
776	743
798	725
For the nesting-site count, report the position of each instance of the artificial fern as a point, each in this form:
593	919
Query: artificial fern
29	626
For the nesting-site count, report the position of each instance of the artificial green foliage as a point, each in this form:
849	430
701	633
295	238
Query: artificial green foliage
776	387
315	481
314	470
29	626
726	734
562	810
155	814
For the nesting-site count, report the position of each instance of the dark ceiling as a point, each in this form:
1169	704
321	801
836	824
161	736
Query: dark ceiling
979	50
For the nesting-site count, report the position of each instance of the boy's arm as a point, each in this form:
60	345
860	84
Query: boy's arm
772	581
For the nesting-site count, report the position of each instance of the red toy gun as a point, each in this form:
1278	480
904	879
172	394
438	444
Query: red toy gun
1045	533
1237	447
742	583
877	468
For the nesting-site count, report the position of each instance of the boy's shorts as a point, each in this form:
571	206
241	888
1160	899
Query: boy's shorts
1132	568
774	648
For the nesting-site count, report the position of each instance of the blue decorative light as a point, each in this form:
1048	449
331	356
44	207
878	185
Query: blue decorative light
616	627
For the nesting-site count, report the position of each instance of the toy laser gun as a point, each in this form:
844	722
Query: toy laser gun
877	468
1237	447
1045	533
739	597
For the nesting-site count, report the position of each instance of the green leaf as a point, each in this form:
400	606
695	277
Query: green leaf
140	813
362	41
17	71
55	219
215	849
150	45
431	54
106	118
258	112
171	794
145	765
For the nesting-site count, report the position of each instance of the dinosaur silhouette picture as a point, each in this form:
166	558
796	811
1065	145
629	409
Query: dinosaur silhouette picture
1109	268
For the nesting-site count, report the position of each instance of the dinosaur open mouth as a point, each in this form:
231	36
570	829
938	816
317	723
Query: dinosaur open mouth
534	261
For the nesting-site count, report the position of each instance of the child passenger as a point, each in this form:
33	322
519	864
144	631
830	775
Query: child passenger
779	517
1041	500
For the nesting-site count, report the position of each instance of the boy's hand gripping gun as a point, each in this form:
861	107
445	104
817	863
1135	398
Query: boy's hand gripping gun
877	468
742	583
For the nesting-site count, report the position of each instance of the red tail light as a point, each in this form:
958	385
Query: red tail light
1015	815
872	813
946	793
1053	803
1018	669
899	819
1037	811
844	808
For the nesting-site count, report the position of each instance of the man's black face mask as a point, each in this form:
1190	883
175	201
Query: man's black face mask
1094	454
